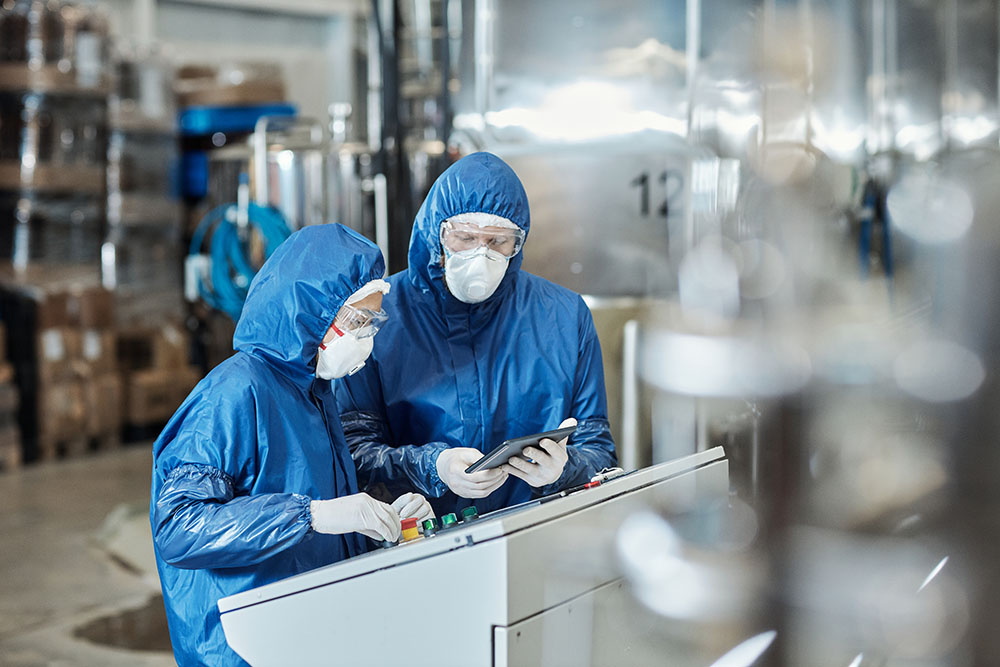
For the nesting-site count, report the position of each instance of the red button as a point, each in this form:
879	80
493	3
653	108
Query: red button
406	524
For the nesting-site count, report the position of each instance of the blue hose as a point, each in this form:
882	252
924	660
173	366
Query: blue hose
231	270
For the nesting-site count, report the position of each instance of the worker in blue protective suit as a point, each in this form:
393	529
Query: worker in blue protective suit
477	351
252	479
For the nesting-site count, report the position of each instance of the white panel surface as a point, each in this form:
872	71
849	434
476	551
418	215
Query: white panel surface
439	601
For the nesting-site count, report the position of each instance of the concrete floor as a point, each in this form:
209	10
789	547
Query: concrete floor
76	549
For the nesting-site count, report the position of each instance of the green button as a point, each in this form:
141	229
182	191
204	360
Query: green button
470	513
430	526
449	520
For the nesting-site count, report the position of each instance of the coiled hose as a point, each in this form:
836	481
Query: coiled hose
230	270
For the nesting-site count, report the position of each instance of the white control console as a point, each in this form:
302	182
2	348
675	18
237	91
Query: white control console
533	584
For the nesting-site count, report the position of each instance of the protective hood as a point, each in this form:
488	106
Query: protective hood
295	296
478	183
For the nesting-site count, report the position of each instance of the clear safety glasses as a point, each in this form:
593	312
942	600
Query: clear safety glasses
459	237
359	322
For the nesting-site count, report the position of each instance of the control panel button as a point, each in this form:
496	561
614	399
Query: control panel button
470	514
410	531
430	526
449	521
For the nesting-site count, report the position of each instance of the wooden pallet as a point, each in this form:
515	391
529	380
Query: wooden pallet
77	446
152	395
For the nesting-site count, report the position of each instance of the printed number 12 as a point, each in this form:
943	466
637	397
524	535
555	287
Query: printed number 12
642	182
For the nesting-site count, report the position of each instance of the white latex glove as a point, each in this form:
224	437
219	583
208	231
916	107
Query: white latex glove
412	505
358	513
547	460
451	465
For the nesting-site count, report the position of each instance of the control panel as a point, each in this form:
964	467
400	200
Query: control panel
504	587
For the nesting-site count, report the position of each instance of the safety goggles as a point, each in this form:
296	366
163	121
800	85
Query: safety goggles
359	322
460	236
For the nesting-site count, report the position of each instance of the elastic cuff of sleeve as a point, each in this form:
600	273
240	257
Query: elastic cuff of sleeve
305	508
436	488
566	479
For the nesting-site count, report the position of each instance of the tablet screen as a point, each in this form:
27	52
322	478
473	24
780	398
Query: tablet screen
513	447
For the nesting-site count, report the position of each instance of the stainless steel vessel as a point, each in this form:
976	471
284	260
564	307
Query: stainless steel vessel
296	167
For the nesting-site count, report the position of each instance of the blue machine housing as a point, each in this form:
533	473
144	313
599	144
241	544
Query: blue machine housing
198	124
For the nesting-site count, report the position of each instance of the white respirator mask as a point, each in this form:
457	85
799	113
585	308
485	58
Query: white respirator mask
342	356
346	354
473	275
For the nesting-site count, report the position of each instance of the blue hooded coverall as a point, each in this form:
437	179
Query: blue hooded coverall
238	463
444	373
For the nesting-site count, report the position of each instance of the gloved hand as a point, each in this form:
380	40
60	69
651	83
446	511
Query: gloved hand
357	513
451	465
412	505
547	460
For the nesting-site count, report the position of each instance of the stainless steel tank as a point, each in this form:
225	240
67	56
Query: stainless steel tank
286	161
310	178
868	424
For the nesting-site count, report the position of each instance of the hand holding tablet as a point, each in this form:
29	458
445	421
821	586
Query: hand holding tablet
538	444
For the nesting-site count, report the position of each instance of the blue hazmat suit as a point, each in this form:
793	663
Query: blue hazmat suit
237	465
444	373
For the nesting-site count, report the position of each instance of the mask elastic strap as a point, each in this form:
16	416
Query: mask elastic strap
337	331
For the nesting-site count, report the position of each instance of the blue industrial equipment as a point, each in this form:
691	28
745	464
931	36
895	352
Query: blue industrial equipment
226	262
204	128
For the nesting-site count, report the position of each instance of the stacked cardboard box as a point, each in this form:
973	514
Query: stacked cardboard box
10	436
63	347
157	375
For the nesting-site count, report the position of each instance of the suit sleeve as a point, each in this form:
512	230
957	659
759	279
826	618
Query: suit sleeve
378	459
591	448
203	515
